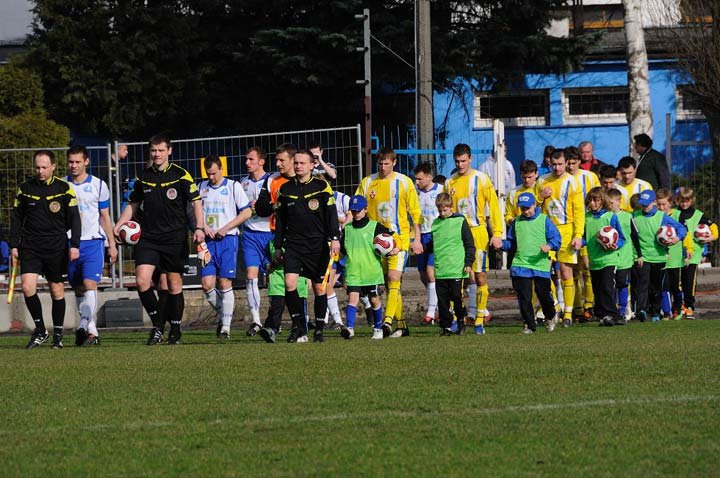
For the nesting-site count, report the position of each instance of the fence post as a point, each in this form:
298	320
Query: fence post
360	154
120	258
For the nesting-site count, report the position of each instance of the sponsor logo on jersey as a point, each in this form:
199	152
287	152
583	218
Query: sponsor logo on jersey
171	194
385	210
224	192
313	204
88	189
54	206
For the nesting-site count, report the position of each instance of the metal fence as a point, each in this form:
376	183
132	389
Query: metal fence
341	146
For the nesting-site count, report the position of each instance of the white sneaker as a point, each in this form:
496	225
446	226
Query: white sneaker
302	340
628	317
377	334
550	324
347	332
528	331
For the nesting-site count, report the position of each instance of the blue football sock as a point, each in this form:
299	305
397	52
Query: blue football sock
378	315
350	313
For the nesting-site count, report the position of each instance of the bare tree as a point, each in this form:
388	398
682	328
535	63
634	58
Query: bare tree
640	117
695	40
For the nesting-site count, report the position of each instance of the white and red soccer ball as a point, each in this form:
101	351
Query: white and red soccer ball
703	233
129	233
666	234
608	236
383	244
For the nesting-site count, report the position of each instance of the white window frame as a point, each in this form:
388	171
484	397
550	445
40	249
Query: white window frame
604	118
479	122
681	113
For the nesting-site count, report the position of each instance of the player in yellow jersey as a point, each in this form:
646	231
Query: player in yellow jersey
587	180
393	202
562	201
528	175
471	191
628	183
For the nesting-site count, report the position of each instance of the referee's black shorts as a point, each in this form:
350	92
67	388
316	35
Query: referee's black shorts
53	265
309	262
165	257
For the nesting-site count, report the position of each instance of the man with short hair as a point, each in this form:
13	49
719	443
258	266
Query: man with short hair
256	236
427	192
164	190
393	202
651	164
85	272
225	207
561	199
45	208
588	161
628	185
307	237
608	177
472	194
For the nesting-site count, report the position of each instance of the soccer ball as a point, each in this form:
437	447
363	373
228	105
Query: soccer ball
607	236
129	233
666	234
383	244
703	233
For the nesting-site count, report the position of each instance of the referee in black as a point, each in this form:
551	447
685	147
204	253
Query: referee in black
307	230
164	190
45	209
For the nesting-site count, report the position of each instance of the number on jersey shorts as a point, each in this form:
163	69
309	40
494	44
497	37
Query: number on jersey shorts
224	258
481	239
89	265
426	258
256	248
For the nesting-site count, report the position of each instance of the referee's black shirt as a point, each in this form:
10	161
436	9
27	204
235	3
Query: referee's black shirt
164	196
43	213
306	214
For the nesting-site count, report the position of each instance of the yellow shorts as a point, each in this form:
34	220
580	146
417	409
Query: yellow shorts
396	262
583	251
567	252
480	236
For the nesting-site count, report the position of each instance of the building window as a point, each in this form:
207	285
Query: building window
687	105
595	105
515	108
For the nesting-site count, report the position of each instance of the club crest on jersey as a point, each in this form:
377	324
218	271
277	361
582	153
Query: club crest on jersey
452	191
54	206
372	194
171	194
313	204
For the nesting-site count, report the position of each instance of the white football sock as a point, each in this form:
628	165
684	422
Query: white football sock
472	301
90	306
80	301
334	308
253	297
432	300
228	305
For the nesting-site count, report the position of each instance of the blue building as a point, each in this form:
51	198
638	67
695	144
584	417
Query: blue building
587	105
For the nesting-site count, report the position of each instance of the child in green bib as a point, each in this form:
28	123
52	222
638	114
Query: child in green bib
532	235
454	249
693	219
603	257
672	299
363	266
652	256
627	254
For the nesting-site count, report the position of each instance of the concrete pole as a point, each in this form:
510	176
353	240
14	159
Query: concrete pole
424	92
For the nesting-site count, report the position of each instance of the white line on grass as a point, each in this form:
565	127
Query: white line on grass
415	413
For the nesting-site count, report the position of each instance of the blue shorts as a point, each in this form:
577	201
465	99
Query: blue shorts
256	248
224	258
426	258
339	266
89	265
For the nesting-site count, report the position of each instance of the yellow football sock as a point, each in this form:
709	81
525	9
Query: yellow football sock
393	298
401	322
589	294
483	291
568	287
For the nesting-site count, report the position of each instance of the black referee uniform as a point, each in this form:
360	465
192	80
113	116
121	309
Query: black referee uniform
43	213
306	221
164	222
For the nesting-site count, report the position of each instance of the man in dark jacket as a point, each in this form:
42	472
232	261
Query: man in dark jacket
651	165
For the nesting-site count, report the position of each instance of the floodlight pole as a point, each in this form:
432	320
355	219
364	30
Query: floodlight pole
365	17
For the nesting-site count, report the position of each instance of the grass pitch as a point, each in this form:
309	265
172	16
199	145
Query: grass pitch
640	400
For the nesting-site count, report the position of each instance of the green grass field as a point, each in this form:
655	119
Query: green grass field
640	400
